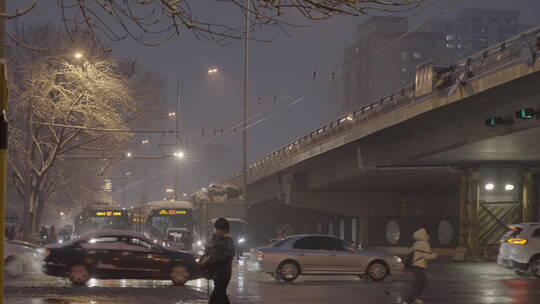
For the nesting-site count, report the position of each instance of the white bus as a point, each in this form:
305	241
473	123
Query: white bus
155	218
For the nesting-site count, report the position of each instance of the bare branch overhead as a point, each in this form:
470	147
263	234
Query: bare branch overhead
153	22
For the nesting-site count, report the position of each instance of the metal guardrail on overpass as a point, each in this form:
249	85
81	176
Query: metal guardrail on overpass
524	48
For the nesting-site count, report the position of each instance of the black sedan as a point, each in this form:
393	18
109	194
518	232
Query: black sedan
118	254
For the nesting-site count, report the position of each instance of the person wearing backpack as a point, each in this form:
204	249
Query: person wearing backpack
417	262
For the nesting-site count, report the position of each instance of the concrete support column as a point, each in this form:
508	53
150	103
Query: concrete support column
527	197
473	204
469	247
463	212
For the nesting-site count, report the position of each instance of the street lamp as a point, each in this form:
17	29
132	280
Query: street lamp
169	190
145	141
179	154
176	114
489	186
128	154
78	55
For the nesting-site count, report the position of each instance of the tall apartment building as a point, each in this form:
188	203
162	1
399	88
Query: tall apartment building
477	29
374	67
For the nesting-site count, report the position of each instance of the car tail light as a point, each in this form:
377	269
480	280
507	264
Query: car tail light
46	253
517	241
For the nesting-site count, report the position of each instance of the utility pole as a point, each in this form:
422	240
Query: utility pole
244	124
3	142
177	136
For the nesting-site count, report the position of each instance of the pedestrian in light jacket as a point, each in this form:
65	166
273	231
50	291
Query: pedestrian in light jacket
422	253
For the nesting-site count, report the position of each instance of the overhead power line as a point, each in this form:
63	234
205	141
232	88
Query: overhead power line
436	15
101	129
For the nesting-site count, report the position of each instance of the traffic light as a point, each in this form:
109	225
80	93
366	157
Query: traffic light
527	113
495	121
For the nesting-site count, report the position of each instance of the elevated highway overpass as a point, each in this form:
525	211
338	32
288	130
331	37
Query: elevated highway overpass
421	156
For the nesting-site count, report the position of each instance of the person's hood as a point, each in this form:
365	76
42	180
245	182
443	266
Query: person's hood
421	235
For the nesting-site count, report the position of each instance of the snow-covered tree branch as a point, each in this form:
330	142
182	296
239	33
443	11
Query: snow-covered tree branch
52	91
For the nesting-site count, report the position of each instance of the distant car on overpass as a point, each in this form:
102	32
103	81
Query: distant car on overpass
321	255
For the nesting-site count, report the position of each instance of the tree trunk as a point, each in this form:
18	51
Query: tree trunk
40	207
29	212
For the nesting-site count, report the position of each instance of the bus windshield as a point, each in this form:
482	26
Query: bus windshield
94	220
160	223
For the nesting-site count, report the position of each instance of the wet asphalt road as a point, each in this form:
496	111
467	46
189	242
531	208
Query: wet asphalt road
448	283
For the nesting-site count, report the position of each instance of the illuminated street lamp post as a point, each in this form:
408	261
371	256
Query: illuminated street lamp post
144	198
180	154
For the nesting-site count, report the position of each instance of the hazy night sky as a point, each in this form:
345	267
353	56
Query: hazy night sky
281	68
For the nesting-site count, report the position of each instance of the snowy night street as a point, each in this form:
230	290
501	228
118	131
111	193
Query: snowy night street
483	283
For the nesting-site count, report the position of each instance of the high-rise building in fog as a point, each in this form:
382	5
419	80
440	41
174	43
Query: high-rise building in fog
477	29
383	59
378	63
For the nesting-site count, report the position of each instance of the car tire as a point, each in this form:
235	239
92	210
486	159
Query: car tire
288	271
275	276
377	271
535	266
79	274
179	275
14	267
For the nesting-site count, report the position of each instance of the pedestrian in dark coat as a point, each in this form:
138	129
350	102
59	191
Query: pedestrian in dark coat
216	264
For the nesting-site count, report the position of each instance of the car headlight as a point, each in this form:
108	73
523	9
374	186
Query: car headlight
397	259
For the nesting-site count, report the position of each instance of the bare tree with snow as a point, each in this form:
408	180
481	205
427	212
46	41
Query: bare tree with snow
64	105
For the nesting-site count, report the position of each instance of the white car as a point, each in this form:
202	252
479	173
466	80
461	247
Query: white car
21	257
520	249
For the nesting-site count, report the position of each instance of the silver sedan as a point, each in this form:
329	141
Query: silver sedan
321	255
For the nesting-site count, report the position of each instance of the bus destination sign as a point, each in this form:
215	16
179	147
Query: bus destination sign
171	212
108	213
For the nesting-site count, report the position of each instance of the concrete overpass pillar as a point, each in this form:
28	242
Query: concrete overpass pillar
463	212
469	246
527	197
473	204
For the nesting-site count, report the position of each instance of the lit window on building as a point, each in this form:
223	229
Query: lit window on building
404	69
404	55
483	40
459	46
449	37
483	30
450	45
417	55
